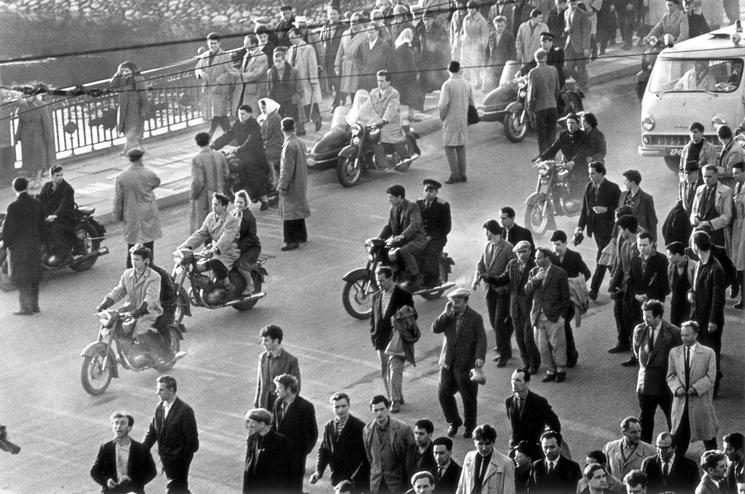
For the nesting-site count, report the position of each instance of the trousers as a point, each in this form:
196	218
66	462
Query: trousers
648	405
28	296
498	307
552	344
177	473
431	260
545	127
627	312
294	231
392	373
682	436
456	156
458	381
601	241
529	353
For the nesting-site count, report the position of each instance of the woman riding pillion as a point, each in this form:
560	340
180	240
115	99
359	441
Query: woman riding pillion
248	241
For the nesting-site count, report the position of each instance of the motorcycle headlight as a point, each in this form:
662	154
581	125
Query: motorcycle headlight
368	246
356	129
543	169
648	123
103	318
356	140
523	93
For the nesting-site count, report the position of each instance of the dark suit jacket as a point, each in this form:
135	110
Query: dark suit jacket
562	481
572	264
643	208
436	220
532	421
709	294
600	225
140	468
499	53
461	346
579	31
282	91
448	483
23	230
371	61
520	301
517	234
652	377
176	436
653	281
380	324
683	476
60	202
734	475
298	425
267	471
405	219
267	370
345	455
550	294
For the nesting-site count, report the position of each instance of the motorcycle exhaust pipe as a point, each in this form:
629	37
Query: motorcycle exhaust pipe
96	253
253	296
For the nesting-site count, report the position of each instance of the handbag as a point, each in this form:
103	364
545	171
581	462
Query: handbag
395	347
608	255
473	115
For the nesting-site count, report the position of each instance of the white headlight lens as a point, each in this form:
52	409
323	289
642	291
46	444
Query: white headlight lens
648	123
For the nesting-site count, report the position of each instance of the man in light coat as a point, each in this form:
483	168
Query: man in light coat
673	22
135	204
498	477
712	207
302	57
250	76
212	70
528	38
386	102
209	169
293	188
577	48
627	453
691	373
455	97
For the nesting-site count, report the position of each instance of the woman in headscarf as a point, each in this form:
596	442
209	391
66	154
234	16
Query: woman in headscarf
404	76
132	106
271	134
248	240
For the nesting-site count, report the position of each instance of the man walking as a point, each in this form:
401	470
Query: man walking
213	67
463	349
485	470
628	452
174	428
251	75
626	308
283	85
266	464
330	39
135	204
577	48
209	169
543	92
712	207
273	361
640	202
22	232
302	57
680	271
455	97
293	188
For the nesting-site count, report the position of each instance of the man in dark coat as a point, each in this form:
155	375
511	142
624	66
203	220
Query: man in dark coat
174	428
431	40
499	50
573	145
708	297
555	474
283	85
554	58
668	472
273	362
385	303
295	418
373	56
447	472
342	448
267	452
436	221
330	38
514	233
652	342
734	448
649	271
626	308
114	472
680	271
58	203
22	233
598	204
529	414
463	349
422	457
640	202
286	23
245	133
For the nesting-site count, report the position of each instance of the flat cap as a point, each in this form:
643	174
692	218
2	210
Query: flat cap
546	34
691	166
135	154
460	293
280	49
432	183
521	245
286	7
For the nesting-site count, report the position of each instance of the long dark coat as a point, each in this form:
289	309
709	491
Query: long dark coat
434	49
59	202
405	78
36	134
254	169
132	104
293	181
22	233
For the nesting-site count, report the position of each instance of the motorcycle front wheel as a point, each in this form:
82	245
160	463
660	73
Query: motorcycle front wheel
349	171
85	234
257	288
515	130
175	347
94	377
357	296
182	302
537	217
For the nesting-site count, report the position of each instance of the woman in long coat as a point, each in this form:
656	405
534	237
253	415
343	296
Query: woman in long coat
133	105
293	188
346	63
248	240
474	38
35	132
271	134
405	77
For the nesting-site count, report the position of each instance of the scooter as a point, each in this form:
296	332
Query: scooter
552	197
116	343
205	292
83	254
360	284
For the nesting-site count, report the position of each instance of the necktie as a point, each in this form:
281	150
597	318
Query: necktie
665	471
550	468
651	343
440	472
293	56
687	369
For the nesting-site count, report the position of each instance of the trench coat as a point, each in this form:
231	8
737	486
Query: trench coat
271	134
387	106
293	181
136	291
36	135
703	373
135	204
455	96
223	231
250	79
208	172
214	92
132	103
303	58
22	232
738	227
346	64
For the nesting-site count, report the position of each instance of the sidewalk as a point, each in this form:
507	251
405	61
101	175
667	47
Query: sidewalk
93	176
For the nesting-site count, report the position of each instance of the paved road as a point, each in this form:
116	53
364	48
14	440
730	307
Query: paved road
59	426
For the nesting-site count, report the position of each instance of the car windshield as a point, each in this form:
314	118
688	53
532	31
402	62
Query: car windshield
690	75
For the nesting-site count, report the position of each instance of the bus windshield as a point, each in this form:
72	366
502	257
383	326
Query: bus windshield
690	75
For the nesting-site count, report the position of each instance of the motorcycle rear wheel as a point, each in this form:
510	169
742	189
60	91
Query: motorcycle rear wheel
175	347
357	302
443	277
515	131
85	234
94	378
182	302
349	171
535	219
257	288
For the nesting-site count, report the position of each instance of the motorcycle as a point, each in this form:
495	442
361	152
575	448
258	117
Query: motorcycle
116	343
325	152
507	103
552	197
205	292
233	182
653	47
360	284
89	234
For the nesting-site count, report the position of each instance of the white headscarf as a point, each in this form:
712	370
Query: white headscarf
406	36
269	106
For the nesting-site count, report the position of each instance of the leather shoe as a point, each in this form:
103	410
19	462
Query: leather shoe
451	181
23	313
36	309
549	378
292	246
619	349
467	434
501	362
631	362
395	407
453	430
561	377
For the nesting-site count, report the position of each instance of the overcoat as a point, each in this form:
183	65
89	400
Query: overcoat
703	373
208	172
271	131
223	230
250	79
132	103
405	77
387	106
293	181
267	369
59	202
303	59
214	92
137	291
371	60
738	227
22	232
499	477
723	204
346	63
35	131
135	204
455	96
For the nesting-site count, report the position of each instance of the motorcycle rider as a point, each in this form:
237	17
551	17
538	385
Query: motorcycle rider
385	101
220	230
58	204
436	221
405	232
572	143
139	286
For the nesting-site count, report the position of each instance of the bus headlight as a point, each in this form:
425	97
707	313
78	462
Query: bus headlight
648	123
